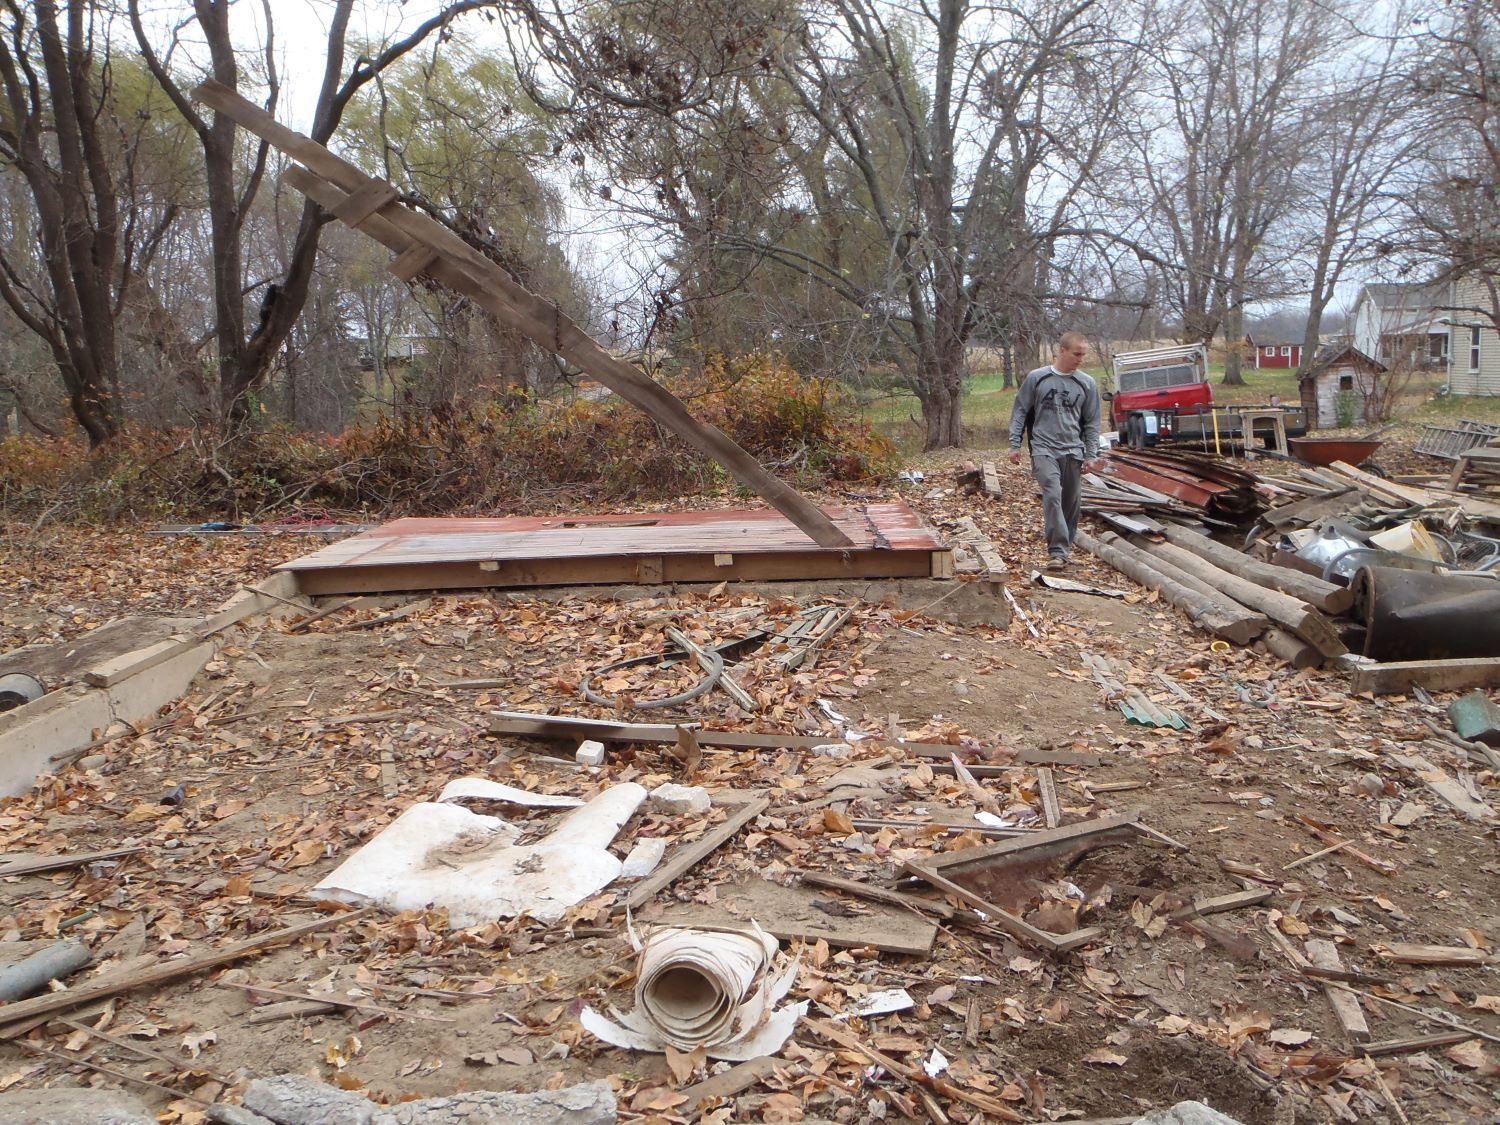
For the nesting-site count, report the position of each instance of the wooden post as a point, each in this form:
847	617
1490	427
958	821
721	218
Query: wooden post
335	184
1219	615
1292	613
1324	595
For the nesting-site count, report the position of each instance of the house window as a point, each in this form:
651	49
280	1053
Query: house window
1286	350
1346	382
1473	347
1270	350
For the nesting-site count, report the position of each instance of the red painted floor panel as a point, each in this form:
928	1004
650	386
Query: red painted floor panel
409	542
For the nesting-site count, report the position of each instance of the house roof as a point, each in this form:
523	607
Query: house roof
1254	343
1410	295
1329	354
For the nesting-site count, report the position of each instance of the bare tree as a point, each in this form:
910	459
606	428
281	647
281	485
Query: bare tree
1221	173
1454	197
1359	138
62	278
887	159
247	345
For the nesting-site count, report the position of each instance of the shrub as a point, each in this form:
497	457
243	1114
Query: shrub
461	459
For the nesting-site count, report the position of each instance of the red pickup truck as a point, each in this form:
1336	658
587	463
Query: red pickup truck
1162	394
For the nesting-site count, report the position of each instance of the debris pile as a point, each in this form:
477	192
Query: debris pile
1346	561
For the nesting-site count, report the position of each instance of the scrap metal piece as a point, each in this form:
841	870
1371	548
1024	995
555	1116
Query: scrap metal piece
1411	615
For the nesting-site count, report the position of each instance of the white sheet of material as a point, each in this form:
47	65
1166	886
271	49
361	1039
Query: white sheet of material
440	854
483	789
701	988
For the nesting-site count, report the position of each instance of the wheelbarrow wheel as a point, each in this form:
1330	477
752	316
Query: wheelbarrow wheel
1374	469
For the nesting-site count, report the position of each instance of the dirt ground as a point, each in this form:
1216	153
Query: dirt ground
293	749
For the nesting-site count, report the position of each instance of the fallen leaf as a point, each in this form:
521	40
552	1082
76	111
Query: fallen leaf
193	1044
1248	1022
1105	1057
1288	1036
685	1064
839	824
1024	965
1468	1054
306	853
1486	1003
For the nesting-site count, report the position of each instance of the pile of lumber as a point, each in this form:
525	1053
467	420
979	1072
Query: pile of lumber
982	479
1230	594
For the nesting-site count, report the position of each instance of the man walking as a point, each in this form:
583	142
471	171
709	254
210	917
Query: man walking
1059	407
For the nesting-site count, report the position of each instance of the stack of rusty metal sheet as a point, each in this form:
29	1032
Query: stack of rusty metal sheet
1206	484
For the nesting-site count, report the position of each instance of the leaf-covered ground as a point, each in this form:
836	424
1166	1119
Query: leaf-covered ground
292	749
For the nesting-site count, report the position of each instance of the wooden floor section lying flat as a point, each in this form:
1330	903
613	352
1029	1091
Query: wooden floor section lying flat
428	554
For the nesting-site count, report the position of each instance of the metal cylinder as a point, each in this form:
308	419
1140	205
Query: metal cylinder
17	688
1413	615
31	975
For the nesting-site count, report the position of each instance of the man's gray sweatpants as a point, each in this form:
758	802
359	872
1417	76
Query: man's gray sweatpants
1059	478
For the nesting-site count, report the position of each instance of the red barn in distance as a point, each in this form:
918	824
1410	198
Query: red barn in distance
1269	354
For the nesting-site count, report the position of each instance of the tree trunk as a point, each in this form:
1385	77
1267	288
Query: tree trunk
1234	322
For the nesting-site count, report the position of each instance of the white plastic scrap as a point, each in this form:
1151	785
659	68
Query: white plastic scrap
880	1004
936	1063
440	854
700	988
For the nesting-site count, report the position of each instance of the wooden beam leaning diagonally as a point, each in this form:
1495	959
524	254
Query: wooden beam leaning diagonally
331	181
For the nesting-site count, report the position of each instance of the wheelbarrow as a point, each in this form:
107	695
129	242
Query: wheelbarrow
1325	451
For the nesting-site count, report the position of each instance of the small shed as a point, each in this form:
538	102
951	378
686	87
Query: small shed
1340	389
1274	353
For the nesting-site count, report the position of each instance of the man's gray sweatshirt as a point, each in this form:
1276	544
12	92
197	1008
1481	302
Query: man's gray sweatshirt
1064	412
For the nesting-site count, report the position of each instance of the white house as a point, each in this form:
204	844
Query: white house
1398	323
1475	345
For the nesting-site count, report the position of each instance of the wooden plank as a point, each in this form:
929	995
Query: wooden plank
361	204
912	1074
709	664
877	823
1018	928
735	1080
166	972
1406	953
35	865
1325	955
1046	788
688	856
462	267
568	727
415	259
1412	1046
1058	758
1220	903
791	913
875	894
1100	826
1399	677
110	672
780	566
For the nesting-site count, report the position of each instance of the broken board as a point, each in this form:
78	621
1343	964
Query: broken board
794	914
889	541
